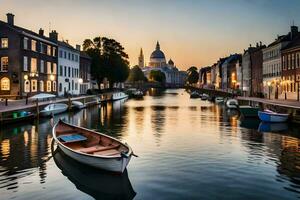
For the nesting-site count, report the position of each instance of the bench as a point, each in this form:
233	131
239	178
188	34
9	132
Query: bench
97	148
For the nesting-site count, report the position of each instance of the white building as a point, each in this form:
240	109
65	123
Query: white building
68	69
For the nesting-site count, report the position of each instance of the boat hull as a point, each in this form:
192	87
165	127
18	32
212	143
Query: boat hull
108	164
272	117
249	111
52	112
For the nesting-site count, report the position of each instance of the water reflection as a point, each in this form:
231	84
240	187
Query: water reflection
96	183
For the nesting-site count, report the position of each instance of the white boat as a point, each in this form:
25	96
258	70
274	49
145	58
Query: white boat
232	104
78	105
195	95
54	108
204	96
92	148
219	100
270	116
118	96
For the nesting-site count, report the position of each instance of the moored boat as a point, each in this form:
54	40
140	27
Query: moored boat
118	96
204	97
16	117
270	116
219	100
78	105
195	95
232	104
138	94
248	111
53	109
92	148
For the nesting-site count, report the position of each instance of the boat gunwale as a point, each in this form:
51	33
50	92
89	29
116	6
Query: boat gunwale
273	113
128	154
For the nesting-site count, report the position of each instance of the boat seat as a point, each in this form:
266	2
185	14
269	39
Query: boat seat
109	152
98	148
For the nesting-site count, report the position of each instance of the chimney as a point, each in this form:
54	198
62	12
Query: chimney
78	47
53	35
10	18
294	31
41	32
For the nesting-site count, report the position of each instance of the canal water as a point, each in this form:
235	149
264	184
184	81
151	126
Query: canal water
187	148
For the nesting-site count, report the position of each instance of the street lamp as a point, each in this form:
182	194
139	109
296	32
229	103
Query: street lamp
52	77
80	81
269	85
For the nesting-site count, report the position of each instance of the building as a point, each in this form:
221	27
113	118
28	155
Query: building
28	60
141	59
272	68
68	62
229	72
85	72
291	69
205	77
174	77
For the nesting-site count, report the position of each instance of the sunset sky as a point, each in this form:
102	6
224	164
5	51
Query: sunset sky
191	32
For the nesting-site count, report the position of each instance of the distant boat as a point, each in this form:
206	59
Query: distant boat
219	100
138	94
232	104
270	116
53	109
248	111
118	96
94	182
92	148
78	105
204	97
195	95
16	117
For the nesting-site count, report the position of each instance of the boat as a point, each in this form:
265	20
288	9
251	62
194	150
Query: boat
272	127
78	105
232	104
53	109
118	96
204	96
94	182
16	117
270	116
92	148
248	111
195	95
219	100
138	94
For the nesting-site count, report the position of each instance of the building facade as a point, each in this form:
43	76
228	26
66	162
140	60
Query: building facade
68	76
229	72
85	73
28	60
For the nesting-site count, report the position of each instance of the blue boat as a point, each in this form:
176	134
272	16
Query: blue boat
272	127
270	116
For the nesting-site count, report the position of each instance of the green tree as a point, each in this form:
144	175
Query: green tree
158	76
109	59
136	74
193	75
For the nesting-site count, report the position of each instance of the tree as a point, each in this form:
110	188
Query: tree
193	75
109	60
136	74
157	75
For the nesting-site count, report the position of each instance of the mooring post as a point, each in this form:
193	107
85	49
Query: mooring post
69	102
37	108
6	102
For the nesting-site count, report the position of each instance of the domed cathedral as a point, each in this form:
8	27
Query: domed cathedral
174	77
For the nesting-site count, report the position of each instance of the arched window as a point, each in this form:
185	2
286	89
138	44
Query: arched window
54	86
42	86
27	86
60	87
5	84
48	86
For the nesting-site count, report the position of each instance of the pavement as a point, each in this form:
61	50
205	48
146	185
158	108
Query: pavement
278	102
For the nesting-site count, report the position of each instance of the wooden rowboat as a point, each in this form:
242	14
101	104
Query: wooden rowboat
92	148
270	116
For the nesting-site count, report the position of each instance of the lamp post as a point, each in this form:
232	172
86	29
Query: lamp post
269	85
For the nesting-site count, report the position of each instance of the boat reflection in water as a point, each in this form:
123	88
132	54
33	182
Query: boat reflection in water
97	183
272	127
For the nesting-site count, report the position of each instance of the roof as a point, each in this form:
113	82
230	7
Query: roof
28	32
67	45
295	43
157	53
83	54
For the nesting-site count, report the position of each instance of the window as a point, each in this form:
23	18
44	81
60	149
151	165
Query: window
49	50
33	85
69	72
61	70
42	86
48	86
5	84
42	49
25	43
60	87
54	70
48	67
76	86
65	70
69	56
42	66
4	64
53	51
4	42
60	53
65	54
72	56
27	86
33	45
54	86
33	65
25	63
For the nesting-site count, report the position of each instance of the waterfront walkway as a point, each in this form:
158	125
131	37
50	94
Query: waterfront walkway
277	102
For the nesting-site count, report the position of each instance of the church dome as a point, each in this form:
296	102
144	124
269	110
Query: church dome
157	53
